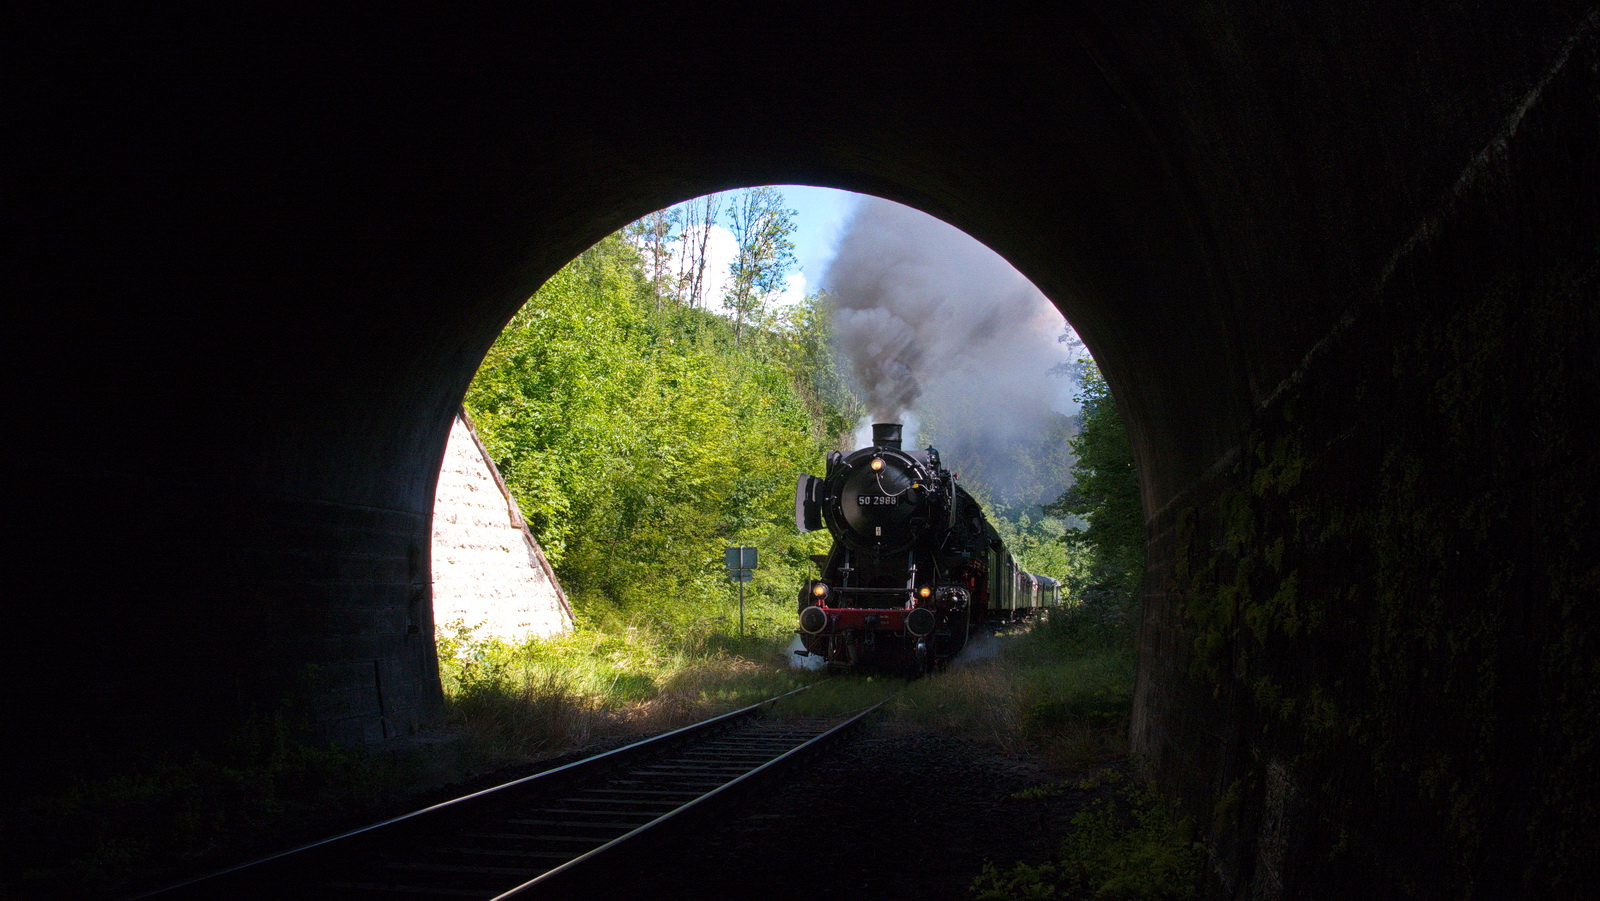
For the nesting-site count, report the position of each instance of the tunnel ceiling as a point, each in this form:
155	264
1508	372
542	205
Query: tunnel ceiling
1203	193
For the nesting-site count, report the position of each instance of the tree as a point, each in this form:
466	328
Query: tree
1105	493
699	217
657	237
805	333
764	230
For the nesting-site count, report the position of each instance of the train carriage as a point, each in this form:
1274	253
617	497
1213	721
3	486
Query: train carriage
1049	593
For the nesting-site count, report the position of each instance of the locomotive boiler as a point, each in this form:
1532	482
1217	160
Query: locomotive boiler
915	566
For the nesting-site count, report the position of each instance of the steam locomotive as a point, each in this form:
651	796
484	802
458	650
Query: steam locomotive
915	566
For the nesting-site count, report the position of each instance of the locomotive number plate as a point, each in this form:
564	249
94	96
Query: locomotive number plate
876	500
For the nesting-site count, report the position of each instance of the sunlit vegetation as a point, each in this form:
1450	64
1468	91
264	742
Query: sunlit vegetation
513	703
1104	500
1059	687
642	433
641	439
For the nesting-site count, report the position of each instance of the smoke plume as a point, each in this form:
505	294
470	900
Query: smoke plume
938	329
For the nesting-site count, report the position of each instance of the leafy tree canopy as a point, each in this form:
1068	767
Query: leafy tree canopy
1105	491
640	440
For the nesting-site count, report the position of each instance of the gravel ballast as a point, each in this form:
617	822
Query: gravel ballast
893	812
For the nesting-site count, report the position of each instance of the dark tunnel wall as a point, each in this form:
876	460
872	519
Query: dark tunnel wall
1388	594
1338	267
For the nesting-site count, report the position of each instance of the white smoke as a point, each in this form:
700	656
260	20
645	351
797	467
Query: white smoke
982	645
939	328
809	662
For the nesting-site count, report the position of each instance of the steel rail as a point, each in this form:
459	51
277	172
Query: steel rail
565	870
229	879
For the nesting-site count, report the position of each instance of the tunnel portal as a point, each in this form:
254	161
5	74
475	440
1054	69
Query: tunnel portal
1338	266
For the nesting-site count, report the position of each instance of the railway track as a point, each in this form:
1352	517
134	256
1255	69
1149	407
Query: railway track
542	834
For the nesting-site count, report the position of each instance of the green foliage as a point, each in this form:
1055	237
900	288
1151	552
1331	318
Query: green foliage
801	338
640	441
764	230
1130	846
1105	493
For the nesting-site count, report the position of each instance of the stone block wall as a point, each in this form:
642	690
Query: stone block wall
489	573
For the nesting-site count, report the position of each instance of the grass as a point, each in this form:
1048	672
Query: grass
517	703
1059	688
1063	690
839	696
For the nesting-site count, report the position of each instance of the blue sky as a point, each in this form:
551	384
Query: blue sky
820	215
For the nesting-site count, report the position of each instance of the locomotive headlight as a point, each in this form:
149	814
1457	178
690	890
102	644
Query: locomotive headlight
876	464
819	590
924	592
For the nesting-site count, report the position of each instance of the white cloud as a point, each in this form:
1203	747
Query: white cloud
721	250
794	291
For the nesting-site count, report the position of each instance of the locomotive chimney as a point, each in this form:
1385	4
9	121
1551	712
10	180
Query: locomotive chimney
886	434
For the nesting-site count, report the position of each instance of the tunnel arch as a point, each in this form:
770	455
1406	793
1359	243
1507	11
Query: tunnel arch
1071	295
996	282
277	259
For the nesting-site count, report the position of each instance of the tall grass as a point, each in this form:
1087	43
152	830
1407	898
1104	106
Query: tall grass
542	697
1060	687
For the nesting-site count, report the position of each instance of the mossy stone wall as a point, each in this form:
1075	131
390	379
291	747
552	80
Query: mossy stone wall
1372	646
